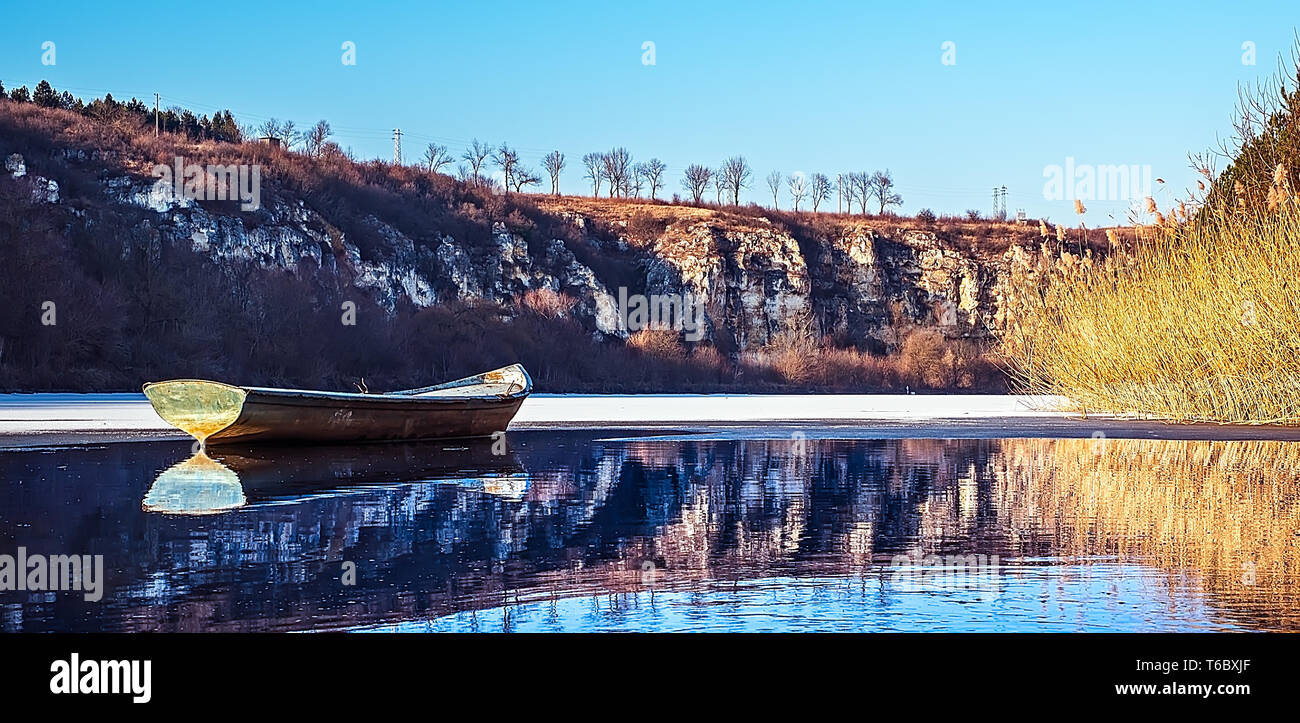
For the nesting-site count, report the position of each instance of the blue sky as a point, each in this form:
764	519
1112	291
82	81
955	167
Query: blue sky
830	87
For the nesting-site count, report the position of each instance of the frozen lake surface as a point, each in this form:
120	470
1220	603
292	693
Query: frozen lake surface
62	419
28	413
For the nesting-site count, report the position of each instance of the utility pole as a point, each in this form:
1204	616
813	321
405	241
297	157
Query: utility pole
155	115
397	146
1000	203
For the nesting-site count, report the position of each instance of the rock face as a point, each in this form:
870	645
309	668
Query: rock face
43	190
754	282
864	286
872	289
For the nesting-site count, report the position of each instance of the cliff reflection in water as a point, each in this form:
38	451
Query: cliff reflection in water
1180	534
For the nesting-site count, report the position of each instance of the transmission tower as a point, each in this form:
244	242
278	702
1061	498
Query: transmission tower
397	146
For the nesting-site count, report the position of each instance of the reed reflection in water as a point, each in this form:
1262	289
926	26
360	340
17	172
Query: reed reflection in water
571	532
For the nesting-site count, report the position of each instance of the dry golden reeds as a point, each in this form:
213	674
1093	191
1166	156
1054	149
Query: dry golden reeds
1158	331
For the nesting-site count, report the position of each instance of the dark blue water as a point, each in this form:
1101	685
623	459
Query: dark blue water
583	532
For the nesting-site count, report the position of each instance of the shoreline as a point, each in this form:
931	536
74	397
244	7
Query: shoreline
56	419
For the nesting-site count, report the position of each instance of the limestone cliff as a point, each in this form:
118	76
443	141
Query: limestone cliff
866	282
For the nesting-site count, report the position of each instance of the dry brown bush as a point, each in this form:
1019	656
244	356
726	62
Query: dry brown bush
793	351
658	343
547	303
926	361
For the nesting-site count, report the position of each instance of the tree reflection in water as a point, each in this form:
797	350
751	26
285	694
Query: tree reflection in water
1194	534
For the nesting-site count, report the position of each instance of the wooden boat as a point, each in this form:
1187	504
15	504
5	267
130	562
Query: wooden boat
217	413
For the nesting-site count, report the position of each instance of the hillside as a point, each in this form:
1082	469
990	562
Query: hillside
446	277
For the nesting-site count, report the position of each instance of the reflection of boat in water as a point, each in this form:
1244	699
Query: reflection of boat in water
475	406
246	476
197	486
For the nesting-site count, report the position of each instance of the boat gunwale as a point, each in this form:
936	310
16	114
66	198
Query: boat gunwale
272	395
159	383
269	394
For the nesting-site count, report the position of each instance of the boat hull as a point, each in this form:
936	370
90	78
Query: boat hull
478	406
284	417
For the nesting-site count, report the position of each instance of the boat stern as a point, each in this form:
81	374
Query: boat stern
200	408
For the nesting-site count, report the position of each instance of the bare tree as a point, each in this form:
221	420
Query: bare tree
618	169
654	173
798	184
774	184
848	192
436	156
820	190
554	163
475	155
862	188
595	165
506	158
270	129
882	185
524	176
285	131
317	135
638	179
289	132
611	174
736	173
696	181
719	184
332	150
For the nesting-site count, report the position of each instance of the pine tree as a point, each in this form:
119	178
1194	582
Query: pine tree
189	124
231	132
45	95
